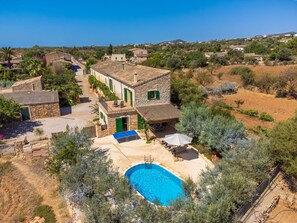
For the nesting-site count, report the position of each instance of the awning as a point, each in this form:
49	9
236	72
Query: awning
158	113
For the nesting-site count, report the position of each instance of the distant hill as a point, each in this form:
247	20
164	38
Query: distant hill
180	41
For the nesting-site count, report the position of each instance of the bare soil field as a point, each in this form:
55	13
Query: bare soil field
279	108
283	214
26	185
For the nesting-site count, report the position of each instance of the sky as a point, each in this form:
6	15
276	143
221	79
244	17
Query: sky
25	23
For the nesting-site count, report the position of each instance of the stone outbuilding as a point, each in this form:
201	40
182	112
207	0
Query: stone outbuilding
36	104
144	96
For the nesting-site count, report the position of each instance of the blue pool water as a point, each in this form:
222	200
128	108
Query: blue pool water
154	182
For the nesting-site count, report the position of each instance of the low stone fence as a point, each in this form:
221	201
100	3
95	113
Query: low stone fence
248	204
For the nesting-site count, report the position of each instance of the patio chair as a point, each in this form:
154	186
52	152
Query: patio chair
115	103
122	104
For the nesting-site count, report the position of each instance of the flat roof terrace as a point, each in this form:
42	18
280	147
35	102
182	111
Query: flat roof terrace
109	107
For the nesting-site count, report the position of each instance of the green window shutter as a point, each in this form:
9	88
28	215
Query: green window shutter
141	122
110	85
101	115
125	95
149	95
119	125
158	95
131	98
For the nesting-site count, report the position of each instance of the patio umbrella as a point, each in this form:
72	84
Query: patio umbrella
1	136
177	139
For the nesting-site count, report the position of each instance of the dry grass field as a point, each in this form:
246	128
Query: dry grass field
279	108
24	185
259	70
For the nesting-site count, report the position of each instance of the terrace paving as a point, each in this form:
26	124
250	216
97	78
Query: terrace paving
128	154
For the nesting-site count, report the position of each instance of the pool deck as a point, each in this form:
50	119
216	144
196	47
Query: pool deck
128	154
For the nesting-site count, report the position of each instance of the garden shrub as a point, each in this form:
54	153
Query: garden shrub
240	70
229	88
247	75
110	96
6	83
247	78
46	212
252	113
225	88
266	117
222	104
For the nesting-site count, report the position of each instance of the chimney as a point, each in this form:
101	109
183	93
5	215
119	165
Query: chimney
123	66
135	78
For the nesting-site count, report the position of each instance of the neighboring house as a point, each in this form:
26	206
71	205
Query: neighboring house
57	57
15	62
36	103
139	55
144	92
118	57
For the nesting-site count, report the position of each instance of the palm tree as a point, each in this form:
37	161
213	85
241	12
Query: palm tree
7	53
35	67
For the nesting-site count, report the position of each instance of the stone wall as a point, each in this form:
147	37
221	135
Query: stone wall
162	84
44	111
34	85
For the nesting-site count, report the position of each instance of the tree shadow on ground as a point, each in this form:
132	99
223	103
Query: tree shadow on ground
292	183
66	110
75	68
188	154
16	129
85	100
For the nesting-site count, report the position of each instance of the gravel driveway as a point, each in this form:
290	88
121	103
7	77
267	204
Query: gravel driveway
77	115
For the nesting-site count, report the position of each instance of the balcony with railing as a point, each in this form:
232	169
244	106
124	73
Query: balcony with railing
114	107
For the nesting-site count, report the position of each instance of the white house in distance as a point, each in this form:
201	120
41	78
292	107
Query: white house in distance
239	48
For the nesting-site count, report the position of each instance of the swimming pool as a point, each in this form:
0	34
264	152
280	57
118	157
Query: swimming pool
154	182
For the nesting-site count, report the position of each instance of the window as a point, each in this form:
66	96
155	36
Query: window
153	95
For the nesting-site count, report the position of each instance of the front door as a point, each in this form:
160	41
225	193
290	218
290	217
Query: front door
122	124
25	113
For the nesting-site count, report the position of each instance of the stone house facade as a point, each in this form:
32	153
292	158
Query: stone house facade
139	88
118	57
36	103
139	55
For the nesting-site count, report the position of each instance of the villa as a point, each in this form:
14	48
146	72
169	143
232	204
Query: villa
144	96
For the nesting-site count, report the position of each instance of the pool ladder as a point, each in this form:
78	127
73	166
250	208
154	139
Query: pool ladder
148	159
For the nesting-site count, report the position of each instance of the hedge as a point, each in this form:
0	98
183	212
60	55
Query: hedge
110	96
